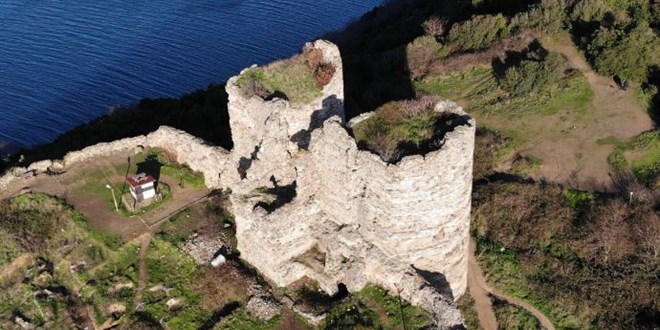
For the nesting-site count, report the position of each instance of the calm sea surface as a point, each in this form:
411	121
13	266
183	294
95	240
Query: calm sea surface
63	63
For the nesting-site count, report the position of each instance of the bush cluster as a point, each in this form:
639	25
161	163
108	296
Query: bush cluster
479	32
583	258
617	51
548	16
531	75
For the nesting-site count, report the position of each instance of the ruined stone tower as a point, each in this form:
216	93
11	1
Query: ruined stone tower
309	203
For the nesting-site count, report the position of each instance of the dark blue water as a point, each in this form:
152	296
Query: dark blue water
63	63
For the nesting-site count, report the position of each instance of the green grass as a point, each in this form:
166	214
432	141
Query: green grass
167	266
9	248
292	77
524	165
503	269
182	173
95	181
479	88
466	305
514	318
242	319
646	166
458	85
577	199
373	307
72	241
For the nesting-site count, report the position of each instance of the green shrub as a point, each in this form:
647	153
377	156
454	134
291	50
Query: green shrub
577	199
548	16
617	52
420	55
532	76
511	317
479	32
617	161
588	11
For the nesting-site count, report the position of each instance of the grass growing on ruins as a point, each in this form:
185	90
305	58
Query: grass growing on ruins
401	128
242	319
299	79
59	252
170	273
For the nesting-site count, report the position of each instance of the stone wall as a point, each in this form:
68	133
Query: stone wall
199	155
309	203
354	219
247	116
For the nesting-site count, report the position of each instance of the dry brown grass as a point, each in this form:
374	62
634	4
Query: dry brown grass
591	264
223	285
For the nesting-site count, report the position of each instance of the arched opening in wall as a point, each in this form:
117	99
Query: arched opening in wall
342	291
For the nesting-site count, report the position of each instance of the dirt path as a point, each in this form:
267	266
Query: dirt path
144	240
476	285
570	141
613	112
480	291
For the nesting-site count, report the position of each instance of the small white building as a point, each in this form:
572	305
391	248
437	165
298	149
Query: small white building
142	187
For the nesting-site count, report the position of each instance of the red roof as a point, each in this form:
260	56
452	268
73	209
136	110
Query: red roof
140	179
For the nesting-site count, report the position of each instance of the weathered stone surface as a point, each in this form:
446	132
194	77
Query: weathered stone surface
198	154
262	307
41	166
102	149
308	203
247	116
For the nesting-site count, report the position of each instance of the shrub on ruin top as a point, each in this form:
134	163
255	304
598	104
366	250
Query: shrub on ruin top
402	128
299	79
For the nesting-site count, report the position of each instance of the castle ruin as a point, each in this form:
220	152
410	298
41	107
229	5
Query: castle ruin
308	203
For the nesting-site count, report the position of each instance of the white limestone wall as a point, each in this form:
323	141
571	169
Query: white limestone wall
419	208
200	156
247	116
416	211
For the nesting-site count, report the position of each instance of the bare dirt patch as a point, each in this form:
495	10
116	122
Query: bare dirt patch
74	185
567	142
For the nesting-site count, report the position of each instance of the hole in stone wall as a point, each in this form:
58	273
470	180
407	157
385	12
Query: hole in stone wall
342	291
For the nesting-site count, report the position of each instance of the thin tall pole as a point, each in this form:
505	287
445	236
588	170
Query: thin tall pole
113	196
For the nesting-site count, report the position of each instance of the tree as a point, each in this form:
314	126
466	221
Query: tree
626	55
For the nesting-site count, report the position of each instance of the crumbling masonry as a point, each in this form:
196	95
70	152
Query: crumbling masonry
309	203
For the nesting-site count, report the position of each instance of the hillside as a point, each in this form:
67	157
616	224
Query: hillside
566	167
